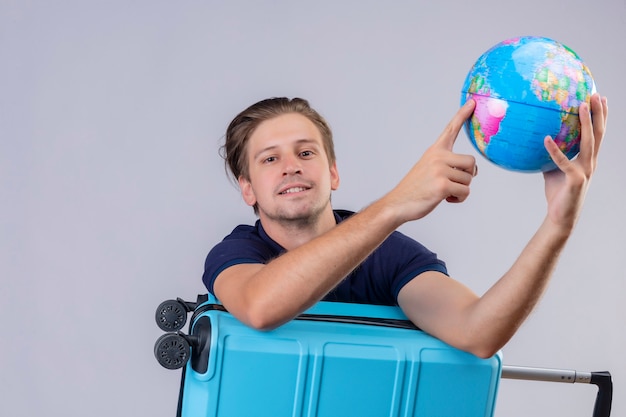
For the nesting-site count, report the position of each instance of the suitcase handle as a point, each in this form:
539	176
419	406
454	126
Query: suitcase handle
371	321
604	399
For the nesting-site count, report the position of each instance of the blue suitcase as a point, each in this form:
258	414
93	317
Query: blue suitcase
336	359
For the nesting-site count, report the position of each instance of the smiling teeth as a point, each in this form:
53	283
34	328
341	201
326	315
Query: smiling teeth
293	190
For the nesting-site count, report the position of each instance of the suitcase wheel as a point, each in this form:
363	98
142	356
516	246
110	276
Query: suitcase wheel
171	315
172	351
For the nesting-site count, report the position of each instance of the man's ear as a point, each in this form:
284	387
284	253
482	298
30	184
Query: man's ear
246	191
334	177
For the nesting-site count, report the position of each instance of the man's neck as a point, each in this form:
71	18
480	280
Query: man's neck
291	234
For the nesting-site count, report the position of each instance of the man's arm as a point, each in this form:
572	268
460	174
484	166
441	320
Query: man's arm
483	325
266	296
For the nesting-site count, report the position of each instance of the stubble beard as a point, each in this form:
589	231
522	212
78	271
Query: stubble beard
300	218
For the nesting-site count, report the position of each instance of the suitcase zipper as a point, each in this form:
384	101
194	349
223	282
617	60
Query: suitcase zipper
371	321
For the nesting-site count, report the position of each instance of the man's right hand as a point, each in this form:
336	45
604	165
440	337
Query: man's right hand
439	175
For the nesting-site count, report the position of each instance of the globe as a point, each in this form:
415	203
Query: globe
526	88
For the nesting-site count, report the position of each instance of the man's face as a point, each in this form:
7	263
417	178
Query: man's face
290	176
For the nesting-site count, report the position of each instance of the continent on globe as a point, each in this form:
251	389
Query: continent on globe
526	88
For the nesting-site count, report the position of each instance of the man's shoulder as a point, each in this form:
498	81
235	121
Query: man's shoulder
241	235
341	214
245	241
244	229
248	237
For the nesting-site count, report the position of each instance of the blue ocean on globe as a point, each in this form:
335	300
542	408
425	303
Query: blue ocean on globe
526	88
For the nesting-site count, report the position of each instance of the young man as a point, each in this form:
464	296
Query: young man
301	251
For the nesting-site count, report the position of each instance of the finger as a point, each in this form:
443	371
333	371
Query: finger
593	125
450	133
462	176
558	157
459	184
586	134
465	163
599	114
458	193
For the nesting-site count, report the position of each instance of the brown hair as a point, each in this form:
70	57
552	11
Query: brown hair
244	124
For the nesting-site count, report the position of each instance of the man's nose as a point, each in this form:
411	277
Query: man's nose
292	165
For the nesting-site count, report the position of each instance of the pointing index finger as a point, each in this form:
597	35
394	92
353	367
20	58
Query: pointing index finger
450	133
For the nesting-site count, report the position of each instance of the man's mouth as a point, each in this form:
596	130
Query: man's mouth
293	190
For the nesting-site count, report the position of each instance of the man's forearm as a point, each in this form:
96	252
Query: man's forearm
300	277
504	307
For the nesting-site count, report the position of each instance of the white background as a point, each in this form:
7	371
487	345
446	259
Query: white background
112	189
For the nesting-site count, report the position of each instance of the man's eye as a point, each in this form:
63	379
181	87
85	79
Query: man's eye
306	153
269	159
